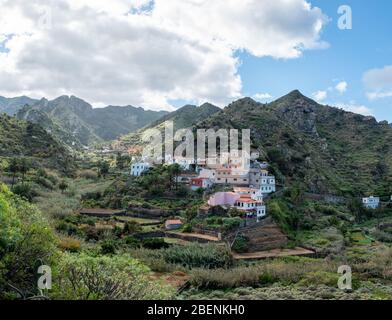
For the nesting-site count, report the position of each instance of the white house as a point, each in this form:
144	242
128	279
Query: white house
371	202
244	199
251	206
201	183
267	183
138	168
255	193
185	163
208	174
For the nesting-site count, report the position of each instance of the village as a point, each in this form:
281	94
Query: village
247	187
229	186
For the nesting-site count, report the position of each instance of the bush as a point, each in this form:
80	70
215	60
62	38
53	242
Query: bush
194	255
70	244
154	243
187	228
131	227
240	244
87	174
46	183
132	242
69	229
25	190
25	240
285	271
82	277
320	278
108	247
225	279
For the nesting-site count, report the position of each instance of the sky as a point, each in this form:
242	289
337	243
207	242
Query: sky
161	54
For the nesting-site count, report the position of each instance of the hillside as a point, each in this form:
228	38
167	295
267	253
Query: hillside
11	106
78	123
327	149
23	139
185	117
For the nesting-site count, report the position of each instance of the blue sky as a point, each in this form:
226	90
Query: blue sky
161	54
351	53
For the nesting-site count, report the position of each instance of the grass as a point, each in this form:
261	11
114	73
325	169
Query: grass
141	221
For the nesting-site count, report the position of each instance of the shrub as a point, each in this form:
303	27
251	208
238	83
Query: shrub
25	190
187	228
46	183
225	279
240	244
87	174
25	239
286	271
131	227
194	255
320	278
231	223
67	228
52	178
108	247
70	244
82	277
154	243
132	242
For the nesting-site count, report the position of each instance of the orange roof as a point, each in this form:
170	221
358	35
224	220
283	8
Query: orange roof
173	222
248	199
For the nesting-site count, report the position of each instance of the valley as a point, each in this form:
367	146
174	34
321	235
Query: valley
70	187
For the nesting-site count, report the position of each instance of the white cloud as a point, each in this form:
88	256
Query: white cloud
133	52
355	108
262	97
320	95
280	28
341	86
378	83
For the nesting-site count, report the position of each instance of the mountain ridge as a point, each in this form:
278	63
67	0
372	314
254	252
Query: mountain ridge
11	106
77	118
327	149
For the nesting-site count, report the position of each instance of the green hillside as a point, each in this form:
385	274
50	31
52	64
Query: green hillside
185	117
23	139
77	123
327	149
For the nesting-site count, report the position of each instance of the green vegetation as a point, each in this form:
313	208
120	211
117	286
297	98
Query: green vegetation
25	240
325	158
32	145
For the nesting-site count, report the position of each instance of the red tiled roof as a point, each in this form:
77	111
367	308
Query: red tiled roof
168	222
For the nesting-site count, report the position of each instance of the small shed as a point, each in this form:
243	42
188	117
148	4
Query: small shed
173	224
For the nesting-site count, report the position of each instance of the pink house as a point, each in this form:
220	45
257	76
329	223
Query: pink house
223	198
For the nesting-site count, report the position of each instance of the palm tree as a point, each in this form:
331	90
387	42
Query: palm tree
24	167
14	169
63	186
174	171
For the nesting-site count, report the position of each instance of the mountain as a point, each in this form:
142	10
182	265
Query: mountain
25	139
77	123
324	148
185	117
11	106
